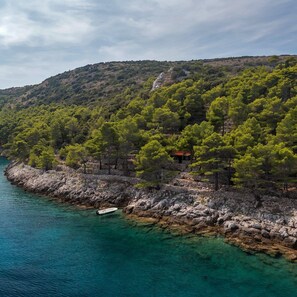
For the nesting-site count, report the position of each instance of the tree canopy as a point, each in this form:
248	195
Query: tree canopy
238	124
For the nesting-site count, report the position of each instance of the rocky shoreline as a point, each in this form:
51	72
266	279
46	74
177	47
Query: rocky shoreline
266	224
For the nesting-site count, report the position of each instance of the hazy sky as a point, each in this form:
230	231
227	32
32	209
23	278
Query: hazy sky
40	38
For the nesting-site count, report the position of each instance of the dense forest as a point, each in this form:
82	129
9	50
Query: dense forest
234	120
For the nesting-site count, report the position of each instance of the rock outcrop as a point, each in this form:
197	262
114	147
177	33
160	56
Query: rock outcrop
268	224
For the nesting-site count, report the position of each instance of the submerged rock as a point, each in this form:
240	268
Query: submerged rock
193	209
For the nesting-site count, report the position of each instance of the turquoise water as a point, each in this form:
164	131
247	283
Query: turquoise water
49	249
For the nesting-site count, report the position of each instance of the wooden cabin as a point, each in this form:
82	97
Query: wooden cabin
181	156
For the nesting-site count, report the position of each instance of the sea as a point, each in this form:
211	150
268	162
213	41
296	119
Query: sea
51	249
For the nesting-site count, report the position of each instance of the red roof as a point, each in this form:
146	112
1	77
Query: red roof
181	154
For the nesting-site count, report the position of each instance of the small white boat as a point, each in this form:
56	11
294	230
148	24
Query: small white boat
106	210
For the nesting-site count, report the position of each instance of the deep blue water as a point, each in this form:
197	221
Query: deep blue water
49	249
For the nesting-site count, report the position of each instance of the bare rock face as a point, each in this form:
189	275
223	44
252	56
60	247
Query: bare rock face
168	77
73	187
270	227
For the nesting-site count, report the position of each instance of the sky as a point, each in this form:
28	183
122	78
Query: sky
41	38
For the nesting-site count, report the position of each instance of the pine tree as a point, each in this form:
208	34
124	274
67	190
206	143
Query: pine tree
213	157
152	162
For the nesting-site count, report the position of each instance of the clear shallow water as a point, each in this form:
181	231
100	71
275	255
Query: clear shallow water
49	249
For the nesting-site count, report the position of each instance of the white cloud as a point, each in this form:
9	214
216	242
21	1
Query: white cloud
15	29
36	23
63	34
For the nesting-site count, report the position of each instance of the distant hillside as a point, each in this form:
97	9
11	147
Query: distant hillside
114	84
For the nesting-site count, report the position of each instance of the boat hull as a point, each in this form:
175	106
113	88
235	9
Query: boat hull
101	212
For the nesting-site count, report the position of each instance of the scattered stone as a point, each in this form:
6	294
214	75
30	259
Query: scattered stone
290	242
265	234
256	226
184	206
230	226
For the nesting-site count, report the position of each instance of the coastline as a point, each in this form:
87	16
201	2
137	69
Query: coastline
268	226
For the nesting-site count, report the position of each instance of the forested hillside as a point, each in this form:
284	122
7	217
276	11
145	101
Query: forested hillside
111	85
234	119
